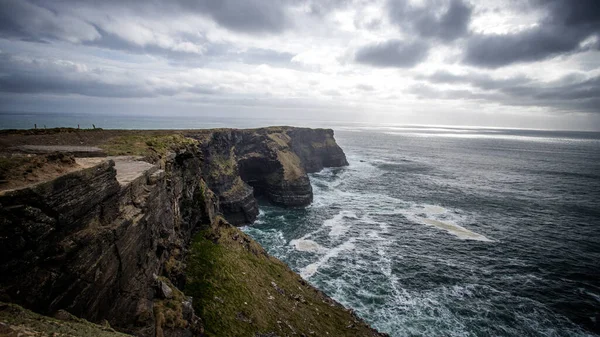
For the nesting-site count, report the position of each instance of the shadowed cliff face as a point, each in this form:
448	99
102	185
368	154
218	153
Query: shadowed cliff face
110	242
271	162
95	242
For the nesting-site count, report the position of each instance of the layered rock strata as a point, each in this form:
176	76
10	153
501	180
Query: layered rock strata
272	163
92	242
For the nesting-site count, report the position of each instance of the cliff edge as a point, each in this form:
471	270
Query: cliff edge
139	236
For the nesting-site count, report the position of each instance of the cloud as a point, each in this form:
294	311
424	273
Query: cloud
478	80
365	87
445	20
571	93
246	16
392	53
292	54
566	25
24	20
174	29
32	76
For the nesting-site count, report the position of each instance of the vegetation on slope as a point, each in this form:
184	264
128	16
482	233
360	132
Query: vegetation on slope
16	321
239	290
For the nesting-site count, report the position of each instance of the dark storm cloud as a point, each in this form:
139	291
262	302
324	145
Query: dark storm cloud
568	88
572	93
105	24
446	20
245	16
25	20
65	78
34	20
566	25
55	84
115	42
392	53
482	81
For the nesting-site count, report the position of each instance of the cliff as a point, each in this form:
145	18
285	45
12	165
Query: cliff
269	162
127	239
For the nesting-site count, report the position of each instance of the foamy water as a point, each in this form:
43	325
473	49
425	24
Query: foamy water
312	268
303	245
444	219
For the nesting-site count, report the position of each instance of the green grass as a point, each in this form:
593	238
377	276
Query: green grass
221	165
329	142
239	290
152	146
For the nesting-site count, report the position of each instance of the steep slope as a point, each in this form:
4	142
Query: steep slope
239	290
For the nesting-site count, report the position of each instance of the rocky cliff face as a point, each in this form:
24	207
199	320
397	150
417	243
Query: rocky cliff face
95	241
269	162
110	242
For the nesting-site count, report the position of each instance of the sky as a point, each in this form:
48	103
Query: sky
502	63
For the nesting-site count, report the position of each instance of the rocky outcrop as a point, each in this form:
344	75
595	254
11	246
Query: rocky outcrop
235	196
271	162
316	148
109	242
16	321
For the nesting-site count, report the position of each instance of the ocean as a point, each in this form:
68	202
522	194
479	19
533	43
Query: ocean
436	231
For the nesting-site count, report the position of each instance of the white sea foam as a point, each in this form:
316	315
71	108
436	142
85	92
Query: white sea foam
442	218
456	230
312	268
260	219
339	223
304	245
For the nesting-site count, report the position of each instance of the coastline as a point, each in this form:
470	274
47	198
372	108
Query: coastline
120	230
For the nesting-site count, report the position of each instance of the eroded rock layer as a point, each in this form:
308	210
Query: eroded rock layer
273	161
